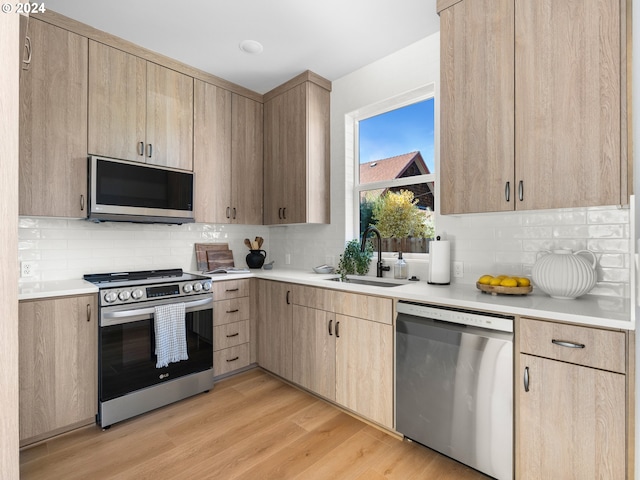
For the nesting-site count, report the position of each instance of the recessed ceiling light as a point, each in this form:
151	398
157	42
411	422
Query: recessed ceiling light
251	46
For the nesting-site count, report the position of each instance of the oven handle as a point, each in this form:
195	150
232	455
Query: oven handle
124	316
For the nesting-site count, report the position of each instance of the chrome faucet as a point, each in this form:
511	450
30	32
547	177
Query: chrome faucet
380	268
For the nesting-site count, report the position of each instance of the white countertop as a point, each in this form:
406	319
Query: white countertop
603	311
59	288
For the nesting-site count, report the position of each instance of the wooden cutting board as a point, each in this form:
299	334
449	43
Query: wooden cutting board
202	263
219	259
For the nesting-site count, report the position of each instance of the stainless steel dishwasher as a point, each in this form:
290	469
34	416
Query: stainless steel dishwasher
454	384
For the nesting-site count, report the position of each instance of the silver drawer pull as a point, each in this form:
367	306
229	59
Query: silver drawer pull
565	343
526	379
232	289
233	359
233	335
233	311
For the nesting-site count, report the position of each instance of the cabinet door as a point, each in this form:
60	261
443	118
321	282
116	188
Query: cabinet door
247	171
476	107
275	327
212	153
295	159
274	173
364	368
568	102
53	124
314	350
571	421
58	365
117	103
169	118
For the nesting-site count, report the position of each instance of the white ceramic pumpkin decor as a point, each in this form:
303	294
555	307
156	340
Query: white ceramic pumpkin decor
564	274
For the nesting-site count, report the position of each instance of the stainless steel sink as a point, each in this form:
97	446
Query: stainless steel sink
362	281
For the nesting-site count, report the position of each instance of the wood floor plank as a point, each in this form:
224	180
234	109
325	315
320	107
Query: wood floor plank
250	426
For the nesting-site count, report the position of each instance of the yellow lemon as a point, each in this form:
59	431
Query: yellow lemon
508	282
523	282
495	281
501	277
485	279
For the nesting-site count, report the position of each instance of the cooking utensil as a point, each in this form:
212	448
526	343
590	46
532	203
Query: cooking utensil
260	241
247	242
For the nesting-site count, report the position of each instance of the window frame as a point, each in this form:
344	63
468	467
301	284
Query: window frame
426	92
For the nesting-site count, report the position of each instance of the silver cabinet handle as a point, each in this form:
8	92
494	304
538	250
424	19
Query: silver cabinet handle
521	190
526	379
337	329
234	213
88	312
233	311
280	213
284	213
507	191
82	203
567	344
26	63
233	335
287	298
141	148
232	359
149	150
330	325
228	212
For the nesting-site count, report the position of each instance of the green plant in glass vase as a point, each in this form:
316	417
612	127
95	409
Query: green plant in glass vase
353	261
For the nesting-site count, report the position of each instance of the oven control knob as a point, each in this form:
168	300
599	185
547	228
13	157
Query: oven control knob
124	295
110	297
197	287
137	294
187	288
207	286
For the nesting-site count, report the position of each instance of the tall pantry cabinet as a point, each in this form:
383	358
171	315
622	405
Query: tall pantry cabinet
533	104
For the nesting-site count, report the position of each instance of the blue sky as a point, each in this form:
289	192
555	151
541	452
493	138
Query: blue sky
399	131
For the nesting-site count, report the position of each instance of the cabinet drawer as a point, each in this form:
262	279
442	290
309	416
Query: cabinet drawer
377	309
230	359
228	311
602	349
230	289
230	335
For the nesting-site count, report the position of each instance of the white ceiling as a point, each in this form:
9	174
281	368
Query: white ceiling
330	37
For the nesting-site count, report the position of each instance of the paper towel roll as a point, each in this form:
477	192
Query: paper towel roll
439	262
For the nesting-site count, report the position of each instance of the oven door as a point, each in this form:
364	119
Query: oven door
127	346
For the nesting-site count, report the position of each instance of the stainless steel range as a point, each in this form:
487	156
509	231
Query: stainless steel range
130	380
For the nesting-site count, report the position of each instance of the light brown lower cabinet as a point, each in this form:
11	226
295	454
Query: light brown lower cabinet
572	418
274	314
231	326
343	358
58	364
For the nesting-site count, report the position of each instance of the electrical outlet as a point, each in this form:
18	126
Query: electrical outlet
458	269
287	259
26	269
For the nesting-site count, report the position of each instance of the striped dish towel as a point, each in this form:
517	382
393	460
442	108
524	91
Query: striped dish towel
171	339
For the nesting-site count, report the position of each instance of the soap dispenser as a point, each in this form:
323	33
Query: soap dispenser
400	268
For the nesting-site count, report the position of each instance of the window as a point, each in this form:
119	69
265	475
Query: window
395	172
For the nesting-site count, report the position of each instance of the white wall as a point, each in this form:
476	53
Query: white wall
9	437
64	249
489	243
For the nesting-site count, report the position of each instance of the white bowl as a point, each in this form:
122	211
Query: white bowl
323	269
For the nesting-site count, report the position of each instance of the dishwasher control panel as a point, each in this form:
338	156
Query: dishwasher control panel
503	323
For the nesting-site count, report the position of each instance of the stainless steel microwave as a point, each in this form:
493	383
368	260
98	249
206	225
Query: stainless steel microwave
137	192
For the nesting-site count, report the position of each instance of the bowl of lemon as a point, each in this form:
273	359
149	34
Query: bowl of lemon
504	285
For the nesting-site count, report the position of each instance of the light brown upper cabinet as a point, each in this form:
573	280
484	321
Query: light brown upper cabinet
296	151
53	123
139	110
227	156
533	104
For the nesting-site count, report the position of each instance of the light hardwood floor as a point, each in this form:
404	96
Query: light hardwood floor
251	426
